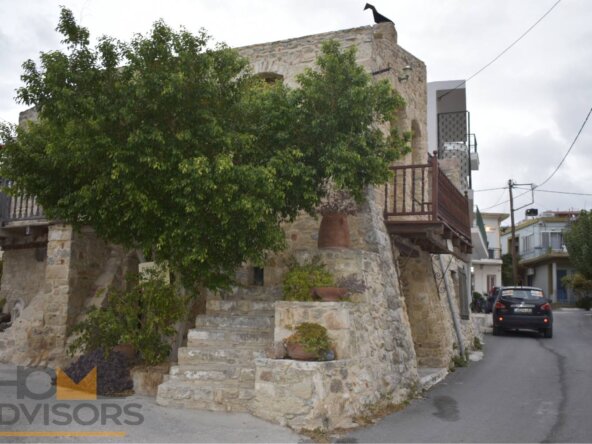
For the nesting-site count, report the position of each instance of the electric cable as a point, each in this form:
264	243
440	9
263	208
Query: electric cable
503	52
568	151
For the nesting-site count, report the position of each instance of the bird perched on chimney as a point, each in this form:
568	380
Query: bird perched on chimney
378	18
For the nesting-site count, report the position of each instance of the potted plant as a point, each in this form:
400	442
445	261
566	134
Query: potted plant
300	280
344	287
310	342
334	208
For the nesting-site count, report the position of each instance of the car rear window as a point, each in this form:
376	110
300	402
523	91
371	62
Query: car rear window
522	293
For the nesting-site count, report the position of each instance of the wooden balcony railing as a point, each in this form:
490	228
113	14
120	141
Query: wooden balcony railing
422	195
18	208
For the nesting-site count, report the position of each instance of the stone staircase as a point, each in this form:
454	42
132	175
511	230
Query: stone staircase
216	371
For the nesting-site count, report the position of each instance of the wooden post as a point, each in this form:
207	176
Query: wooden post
435	174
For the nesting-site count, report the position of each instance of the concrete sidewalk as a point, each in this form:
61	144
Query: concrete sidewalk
146	421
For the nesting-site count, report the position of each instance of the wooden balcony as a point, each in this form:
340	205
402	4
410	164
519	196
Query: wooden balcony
422	205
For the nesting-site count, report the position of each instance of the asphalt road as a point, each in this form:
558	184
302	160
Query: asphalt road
526	389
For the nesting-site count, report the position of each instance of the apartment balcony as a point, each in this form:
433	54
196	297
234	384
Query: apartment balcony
422	205
541	254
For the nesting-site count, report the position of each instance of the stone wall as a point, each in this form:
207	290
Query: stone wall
23	275
375	351
372	336
429	314
78	265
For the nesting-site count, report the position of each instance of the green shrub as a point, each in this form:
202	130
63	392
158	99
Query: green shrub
459	361
300	279
584	302
143	316
313	337
477	345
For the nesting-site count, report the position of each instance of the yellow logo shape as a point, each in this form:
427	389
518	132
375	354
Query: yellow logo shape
68	390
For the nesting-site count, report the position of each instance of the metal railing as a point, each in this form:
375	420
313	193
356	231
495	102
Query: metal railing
423	192
481	226
19	207
494	253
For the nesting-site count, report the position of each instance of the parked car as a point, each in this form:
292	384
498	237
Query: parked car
522	308
491	299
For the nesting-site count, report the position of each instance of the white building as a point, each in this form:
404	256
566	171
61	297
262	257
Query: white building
487	269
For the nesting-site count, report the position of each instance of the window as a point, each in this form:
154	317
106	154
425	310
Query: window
258	277
527	243
553	240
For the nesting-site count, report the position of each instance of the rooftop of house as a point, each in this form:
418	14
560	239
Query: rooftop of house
546	216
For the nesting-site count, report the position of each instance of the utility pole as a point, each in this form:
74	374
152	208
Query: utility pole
513	240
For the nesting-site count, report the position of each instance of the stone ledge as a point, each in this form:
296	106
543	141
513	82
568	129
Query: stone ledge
336	317
309	395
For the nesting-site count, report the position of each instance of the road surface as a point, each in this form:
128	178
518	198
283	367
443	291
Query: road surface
526	389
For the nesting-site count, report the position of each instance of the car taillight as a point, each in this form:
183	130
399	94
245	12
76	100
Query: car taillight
546	307
499	305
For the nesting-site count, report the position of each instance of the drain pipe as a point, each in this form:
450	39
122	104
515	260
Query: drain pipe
459	336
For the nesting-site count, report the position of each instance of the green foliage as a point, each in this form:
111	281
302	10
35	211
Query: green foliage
143	316
299	280
170	143
477	344
584	302
313	337
578	239
477	303
507	277
459	361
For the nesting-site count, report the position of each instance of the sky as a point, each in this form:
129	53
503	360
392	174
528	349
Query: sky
526	108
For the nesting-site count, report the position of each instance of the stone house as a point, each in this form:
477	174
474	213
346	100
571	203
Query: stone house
410	246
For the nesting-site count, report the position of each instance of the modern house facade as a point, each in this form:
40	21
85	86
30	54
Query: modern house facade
543	257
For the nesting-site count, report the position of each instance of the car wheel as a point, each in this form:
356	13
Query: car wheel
548	332
497	331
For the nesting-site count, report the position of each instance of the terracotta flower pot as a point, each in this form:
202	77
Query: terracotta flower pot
296	351
329	294
127	350
334	231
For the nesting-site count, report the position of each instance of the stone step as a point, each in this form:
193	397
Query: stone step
204	396
234	322
227	338
253	293
239	307
232	355
223	374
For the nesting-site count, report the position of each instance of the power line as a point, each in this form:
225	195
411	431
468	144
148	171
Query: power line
535	188
490	189
506	201
503	52
559	192
568	151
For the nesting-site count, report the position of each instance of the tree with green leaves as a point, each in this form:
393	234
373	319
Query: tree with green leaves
578	239
171	144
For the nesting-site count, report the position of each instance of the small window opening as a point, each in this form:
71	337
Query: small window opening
258	277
